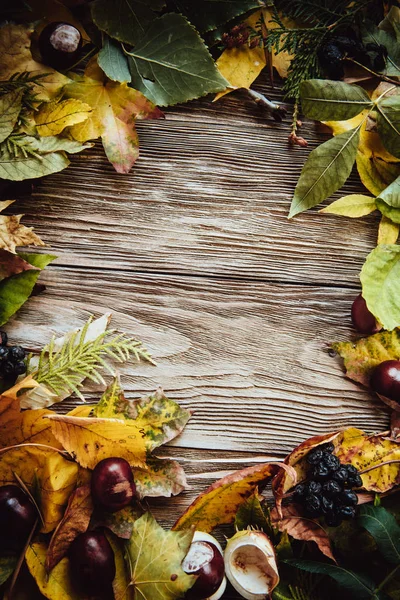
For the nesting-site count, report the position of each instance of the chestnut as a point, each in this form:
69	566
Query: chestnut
385	380
112	484
92	564
362	318
18	515
205	560
60	45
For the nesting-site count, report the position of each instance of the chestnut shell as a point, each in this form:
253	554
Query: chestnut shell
60	44
211	569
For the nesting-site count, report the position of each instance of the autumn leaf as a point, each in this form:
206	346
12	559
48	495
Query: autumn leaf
302	528
53	117
13	234
353	206
120	522
388	231
241	66
159	418
15	51
115	109
219	503
55	586
12	264
10	107
91	440
27	427
48	475
363	355
121	588
155	556
75	521
7	566
251	514
164	477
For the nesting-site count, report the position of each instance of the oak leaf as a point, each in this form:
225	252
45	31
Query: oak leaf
90	440
302	528
241	66
156	556
115	109
53	117
13	234
219	503
159	418
75	521
16	57
55	586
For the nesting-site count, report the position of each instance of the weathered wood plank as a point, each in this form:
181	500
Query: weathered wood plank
209	195
250	359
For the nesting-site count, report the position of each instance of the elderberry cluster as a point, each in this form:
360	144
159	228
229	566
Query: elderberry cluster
329	492
12	359
332	53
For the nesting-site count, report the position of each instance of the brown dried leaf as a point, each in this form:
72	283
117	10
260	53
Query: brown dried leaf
302	528
11	264
75	521
13	234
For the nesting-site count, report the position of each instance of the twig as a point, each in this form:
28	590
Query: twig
374	73
278	112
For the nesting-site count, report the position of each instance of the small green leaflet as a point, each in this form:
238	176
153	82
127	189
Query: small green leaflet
325	171
380	279
388	121
172	64
251	514
125	20
155	556
30	166
113	61
332	100
206	15
353	206
10	107
384	528
15	290
389	201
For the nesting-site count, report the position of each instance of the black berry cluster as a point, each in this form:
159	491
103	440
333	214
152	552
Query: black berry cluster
332	53
12	359
328	493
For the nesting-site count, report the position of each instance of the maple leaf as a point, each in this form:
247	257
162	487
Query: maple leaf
13	234
302	528
16	57
160	418
219	503
241	66
53	117
90	440
75	521
115	109
156	557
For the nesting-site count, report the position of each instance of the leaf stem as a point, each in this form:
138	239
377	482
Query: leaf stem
388	462
385	581
63	452
374	73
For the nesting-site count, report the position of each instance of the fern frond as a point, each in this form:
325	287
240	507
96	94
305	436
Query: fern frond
63	369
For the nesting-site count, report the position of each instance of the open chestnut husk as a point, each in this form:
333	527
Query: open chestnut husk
205	561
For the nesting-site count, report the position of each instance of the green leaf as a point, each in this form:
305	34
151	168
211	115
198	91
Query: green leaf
371	33
15	290
360	586
7	566
389	201
155	556
12	264
55	143
251	514
362	356
332	100
353	206
125	20
384	529
380	279
206	15
172	64
325	171
113	61
30	167
10	107
388	122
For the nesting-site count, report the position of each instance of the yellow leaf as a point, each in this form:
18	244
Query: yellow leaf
53	117
13	234
82	410
56	585
115	108
91	440
48	475
121	588
241	66
16	57
27	383
388	232
353	205
28	427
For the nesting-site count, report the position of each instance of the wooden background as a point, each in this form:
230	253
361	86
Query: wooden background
194	254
